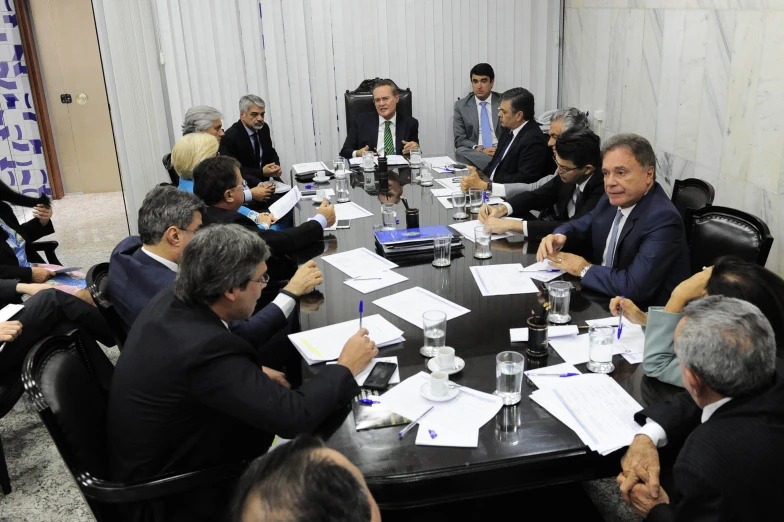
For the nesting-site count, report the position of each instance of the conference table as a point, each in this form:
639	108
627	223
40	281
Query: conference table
524	447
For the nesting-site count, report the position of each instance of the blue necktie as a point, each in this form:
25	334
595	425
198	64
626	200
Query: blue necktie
487	135
613	239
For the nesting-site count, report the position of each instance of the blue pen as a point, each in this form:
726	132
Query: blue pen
620	318
309	186
369	402
570	374
361	310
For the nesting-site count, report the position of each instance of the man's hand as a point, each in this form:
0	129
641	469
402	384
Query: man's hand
550	245
358	153
262	192
328	211
41	275
10	330
358	352
630	310
472	180
692	288
276	376
43	213
305	279
501	226
642	502
408	145
640	464
266	218
271	170
489	151
569	263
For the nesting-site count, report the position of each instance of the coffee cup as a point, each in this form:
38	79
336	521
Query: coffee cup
445	360
321	175
438	384
320	195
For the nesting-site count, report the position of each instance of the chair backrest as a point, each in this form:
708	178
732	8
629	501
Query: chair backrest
173	176
692	194
98	285
716	231
361	100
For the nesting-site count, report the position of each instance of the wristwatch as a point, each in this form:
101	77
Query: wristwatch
489	187
584	271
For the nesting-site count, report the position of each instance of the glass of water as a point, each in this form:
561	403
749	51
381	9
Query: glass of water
560	292
434	326
342	189
416	157
337	164
509	377
442	250
367	160
475	197
388	216
482	242
600	351
425	176
458	203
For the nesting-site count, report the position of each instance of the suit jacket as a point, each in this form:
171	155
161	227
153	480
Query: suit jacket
466	123
529	158
557	194
30	231
725	468
188	394
237	144
651	256
364	131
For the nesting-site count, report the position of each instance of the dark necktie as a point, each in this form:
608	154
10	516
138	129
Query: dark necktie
499	154
257	147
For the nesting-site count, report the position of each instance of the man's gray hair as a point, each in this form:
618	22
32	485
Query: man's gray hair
388	83
165	207
217	259
572	119
639	147
199	118
729	343
249	100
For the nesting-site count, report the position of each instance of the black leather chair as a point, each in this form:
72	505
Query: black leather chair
692	194
97	281
173	176
72	401
361	100
716	231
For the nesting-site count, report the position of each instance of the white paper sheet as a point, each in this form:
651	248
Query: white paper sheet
348	210
445	435
609	321
359	262
313	166
453	186
543	271
412	303
67	269
281	187
8	311
541	378
574	348
363	375
439	161
502	280
441	192
520	335
284	205
392	159
466	229
372	282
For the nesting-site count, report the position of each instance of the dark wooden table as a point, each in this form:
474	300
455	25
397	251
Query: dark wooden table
524	447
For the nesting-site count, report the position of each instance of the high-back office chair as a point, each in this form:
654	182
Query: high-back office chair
716	231
173	176
361	100
692	194
72	402
98	285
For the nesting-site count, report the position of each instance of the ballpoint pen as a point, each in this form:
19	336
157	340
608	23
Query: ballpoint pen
570	374
370	402
361	310
405	430
620	318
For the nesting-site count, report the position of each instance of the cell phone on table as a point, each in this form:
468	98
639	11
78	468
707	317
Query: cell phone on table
458	166
380	375
343	223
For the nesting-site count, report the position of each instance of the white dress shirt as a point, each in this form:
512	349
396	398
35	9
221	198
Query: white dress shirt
624	214
656	433
171	265
382	128
489	107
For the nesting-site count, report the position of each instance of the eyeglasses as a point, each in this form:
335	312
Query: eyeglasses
564	169
264	281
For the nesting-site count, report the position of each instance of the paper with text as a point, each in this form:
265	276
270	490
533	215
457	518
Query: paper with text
502	280
284	205
412	303
358	262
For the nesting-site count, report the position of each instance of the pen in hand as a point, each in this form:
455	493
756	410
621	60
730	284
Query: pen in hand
620	317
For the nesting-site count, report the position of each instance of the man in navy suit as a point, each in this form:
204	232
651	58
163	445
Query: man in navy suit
633	243
387	131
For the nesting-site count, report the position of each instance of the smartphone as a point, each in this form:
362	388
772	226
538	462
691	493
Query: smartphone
458	166
307	192
380	375
343	223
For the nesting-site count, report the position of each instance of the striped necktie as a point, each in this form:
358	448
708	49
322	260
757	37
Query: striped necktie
613	239
389	145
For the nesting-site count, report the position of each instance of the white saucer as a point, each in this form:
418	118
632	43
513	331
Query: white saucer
433	367
451	393
325	180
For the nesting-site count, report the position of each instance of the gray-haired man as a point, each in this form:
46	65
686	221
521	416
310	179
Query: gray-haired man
203	118
727	426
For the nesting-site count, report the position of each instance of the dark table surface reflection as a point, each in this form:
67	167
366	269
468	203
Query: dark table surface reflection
524	447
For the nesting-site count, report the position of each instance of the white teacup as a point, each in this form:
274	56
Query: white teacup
438	384
445	359
321	175
320	195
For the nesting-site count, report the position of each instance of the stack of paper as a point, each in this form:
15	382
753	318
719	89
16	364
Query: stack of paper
450	423
502	280
306	168
326	343
542	271
412	303
349	210
466	229
453	184
367	270
441	192
599	411
574	348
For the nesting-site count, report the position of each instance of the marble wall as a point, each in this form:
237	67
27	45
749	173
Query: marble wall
703	80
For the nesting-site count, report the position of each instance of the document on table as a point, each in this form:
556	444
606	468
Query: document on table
520	335
359	262
543	271
609	321
361	376
502	280
412	303
284	205
453	186
313	166
446	201
349	211
281	187
466	229
439	162
574	348
392	159
326	343
547	377
375	281
441	192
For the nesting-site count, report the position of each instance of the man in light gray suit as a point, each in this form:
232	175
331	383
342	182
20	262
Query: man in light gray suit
476	119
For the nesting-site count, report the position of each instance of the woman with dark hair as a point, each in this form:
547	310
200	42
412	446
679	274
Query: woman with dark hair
15	256
730	277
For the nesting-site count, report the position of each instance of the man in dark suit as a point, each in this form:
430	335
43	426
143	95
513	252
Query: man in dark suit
385	132
571	194
476	124
522	154
188	394
633	243
727	427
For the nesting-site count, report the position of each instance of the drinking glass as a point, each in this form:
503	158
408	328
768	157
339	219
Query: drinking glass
425	177
370	179
337	164
342	189
600	350
482	242
434	326
475	197
367	160
509	377
416	157
458	203
560	292
442	250
388	216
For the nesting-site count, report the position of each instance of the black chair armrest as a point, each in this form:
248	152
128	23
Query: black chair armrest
48	248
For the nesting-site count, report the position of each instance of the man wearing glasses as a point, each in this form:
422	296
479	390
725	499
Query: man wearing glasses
386	132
